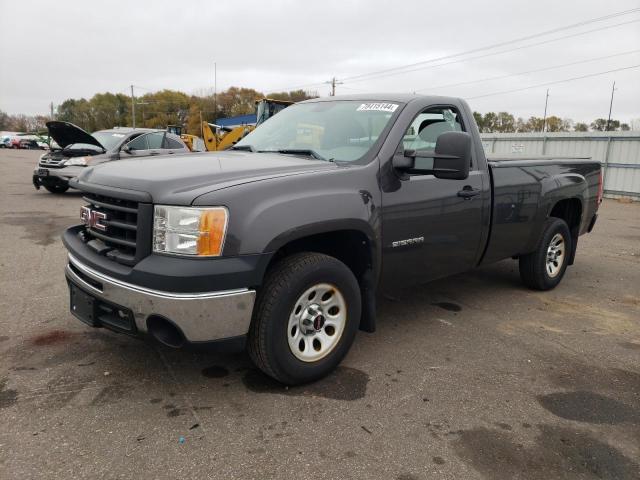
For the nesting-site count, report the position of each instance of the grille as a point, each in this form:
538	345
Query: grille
120	240
52	160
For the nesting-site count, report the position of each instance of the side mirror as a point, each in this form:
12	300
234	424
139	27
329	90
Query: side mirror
451	157
127	149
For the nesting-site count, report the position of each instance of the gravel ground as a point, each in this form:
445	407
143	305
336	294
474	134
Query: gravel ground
468	377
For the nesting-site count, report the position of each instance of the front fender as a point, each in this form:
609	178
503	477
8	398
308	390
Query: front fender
267	214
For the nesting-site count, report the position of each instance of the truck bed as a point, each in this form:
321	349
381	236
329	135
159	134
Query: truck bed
526	188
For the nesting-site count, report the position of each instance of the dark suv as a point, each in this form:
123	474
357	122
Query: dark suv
79	149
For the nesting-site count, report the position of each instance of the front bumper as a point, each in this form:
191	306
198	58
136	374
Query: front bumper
201	317
54	176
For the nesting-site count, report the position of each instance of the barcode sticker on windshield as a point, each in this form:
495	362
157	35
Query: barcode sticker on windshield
378	107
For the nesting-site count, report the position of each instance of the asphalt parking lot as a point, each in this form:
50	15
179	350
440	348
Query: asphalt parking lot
469	377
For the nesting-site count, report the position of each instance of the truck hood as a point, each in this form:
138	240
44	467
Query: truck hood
65	134
180	179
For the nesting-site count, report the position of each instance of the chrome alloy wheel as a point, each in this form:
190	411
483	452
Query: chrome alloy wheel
316	322
555	255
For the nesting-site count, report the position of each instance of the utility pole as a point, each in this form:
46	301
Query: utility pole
215	92
51	111
133	109
613	89
333	82
544	120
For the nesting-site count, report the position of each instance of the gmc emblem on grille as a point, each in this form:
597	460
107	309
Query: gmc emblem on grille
93	218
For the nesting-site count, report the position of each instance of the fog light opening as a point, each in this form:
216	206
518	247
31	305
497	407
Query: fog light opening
165	332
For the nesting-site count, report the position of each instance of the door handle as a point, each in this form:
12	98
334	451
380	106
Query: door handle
468	192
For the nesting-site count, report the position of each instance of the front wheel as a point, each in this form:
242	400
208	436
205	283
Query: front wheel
544	268
306	317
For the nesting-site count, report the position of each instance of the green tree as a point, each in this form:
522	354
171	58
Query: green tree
581	127
477	116
292	96
159	109
489	122
5	120
534	124
109	110
599	124
557	124
505	123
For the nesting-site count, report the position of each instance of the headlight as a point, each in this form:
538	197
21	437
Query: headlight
77	161
189	230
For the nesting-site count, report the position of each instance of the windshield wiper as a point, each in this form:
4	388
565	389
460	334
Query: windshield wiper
246	148
301	151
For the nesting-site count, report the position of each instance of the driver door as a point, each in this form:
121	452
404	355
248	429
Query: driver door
429	229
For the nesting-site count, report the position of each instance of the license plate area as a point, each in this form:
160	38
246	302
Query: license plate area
82	305
43	172
96	312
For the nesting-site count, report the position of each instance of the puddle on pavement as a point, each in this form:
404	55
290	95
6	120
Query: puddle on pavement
557	453
589	407
40	227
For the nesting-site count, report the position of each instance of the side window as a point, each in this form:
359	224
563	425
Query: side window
425	129
155	140
139	143
172	143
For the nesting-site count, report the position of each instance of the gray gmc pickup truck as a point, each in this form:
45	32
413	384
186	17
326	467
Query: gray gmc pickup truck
281	243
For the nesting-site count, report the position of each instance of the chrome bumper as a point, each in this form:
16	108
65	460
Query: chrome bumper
202	317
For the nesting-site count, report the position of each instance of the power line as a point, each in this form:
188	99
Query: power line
499	44
487	79
501	51
554	82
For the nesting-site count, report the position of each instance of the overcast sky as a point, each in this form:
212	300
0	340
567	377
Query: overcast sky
51	51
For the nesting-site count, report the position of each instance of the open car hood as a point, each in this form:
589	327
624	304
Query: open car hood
65	134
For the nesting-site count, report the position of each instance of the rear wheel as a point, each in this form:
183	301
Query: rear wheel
544	268
306	317
56	188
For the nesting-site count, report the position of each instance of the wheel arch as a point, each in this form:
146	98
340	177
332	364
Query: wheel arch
570	210
351	242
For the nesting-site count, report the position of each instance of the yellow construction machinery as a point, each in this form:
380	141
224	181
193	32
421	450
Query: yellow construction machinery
217	137
193	142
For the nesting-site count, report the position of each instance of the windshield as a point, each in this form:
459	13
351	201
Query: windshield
108	140
342	130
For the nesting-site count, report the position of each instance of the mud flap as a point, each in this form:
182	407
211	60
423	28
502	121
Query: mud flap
368	294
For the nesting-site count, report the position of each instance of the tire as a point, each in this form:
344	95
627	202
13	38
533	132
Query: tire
56	188
277	325
538	270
